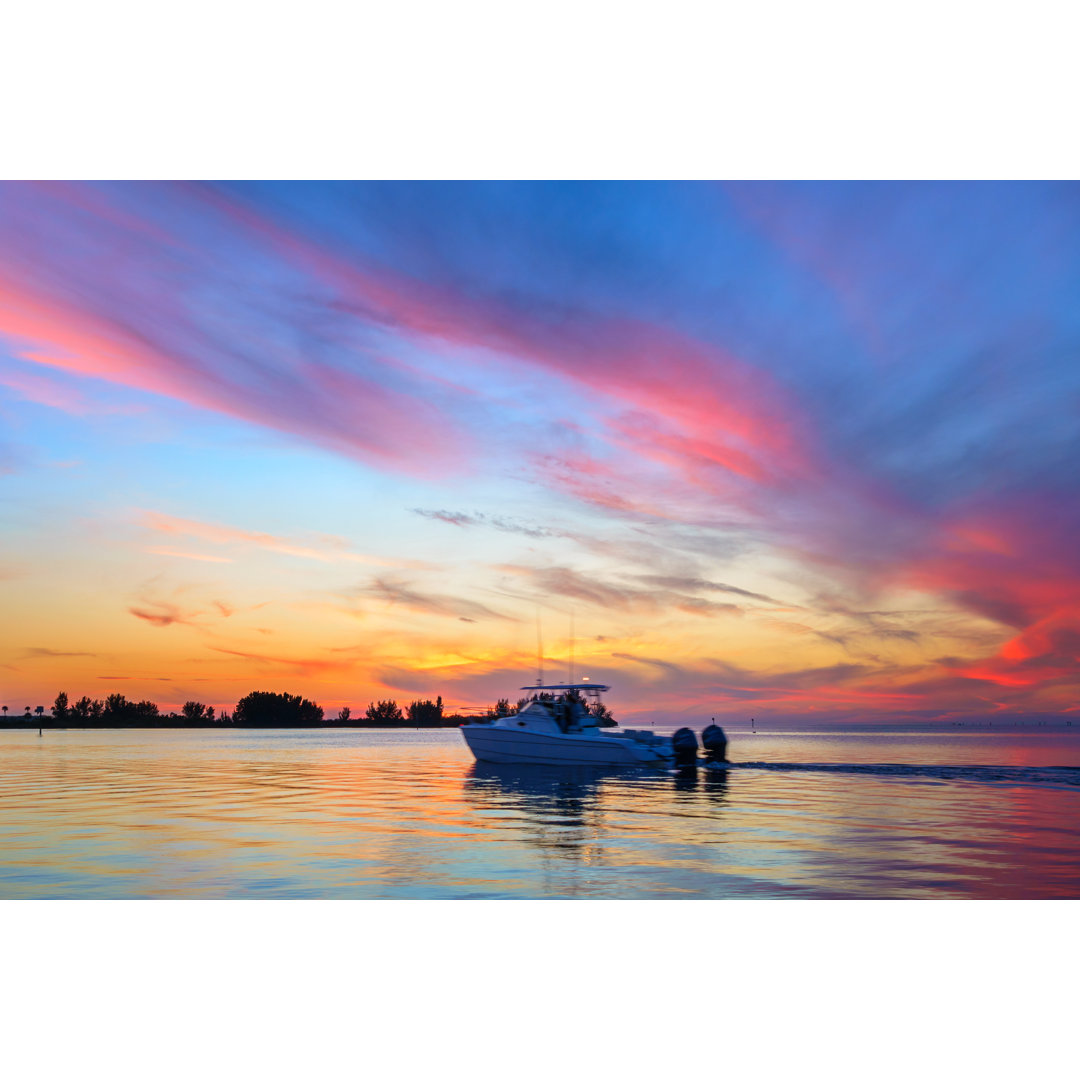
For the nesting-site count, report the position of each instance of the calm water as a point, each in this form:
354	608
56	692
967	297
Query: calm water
363	814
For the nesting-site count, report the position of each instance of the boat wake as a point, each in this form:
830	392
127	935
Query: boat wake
1062	776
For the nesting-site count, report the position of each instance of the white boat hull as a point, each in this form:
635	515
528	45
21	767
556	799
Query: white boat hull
522	747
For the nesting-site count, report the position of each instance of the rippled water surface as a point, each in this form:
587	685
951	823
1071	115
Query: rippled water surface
364	814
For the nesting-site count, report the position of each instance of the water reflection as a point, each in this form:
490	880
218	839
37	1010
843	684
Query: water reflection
716	784
575	782
589	817
409	814
686	779
576	792
555	809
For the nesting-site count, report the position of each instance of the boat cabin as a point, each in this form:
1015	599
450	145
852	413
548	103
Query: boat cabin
566	707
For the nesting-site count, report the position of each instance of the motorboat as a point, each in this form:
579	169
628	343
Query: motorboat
562	724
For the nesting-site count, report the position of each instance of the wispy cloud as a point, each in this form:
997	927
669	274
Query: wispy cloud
44	390
193	555
454	517
176	609
664	665
329	549
300	665
40	653
618	594
405	595
162	613
688	584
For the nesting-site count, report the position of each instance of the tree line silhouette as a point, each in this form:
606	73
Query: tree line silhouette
261	708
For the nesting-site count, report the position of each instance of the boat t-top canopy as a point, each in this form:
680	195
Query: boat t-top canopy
569	686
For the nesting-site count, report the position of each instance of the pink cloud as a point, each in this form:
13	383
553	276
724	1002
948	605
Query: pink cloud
189	555
127	320
45	391
330	549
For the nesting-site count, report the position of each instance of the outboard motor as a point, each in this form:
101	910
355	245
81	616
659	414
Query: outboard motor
684	743
714	743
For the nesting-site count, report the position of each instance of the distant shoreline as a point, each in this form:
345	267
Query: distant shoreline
24	723
30	723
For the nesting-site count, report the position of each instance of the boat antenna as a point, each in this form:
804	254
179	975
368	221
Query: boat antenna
539	652
571	646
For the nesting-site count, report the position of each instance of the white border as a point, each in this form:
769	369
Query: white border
538	989
583	89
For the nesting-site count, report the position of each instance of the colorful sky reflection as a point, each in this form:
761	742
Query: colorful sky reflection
783	450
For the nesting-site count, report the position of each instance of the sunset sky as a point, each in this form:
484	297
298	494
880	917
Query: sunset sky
779	450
